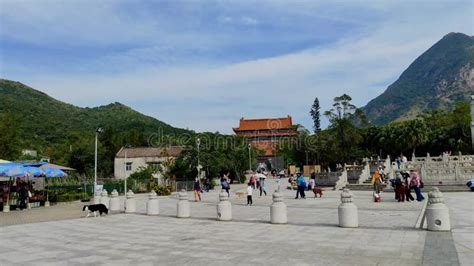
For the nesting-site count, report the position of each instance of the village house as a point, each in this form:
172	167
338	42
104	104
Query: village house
130	160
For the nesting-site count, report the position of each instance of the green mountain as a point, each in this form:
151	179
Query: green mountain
44	121
440	77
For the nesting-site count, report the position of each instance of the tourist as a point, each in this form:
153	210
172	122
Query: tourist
207	186
261	183
406	183
301	184
23	196
416	184
197	190
249	194
253	180
225	183
311	184
399	162
377	181
399	188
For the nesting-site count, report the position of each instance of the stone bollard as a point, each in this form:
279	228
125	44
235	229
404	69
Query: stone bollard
224	208
184	210
347	211
152	206
278	210
6	208
104	199
114	202
437	213
130	204
96	198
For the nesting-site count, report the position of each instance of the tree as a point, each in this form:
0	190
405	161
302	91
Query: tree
341	117
9	137
316	116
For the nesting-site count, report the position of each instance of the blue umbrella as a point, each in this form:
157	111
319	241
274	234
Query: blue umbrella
34	171
14	171
54	172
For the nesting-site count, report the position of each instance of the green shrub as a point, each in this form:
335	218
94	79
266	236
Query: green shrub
162	190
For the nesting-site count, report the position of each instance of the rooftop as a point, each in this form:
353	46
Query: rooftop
265	124
138	152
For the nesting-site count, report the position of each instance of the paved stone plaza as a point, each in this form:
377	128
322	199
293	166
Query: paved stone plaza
387	234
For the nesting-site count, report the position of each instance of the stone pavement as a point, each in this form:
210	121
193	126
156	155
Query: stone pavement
386	235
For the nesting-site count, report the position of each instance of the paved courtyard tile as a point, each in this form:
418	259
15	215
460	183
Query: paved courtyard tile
386	235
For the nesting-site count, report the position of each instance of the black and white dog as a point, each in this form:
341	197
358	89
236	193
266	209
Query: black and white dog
94	208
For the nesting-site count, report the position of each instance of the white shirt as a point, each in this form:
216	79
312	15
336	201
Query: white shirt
249	191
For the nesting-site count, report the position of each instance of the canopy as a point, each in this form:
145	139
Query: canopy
14	171
34	171
53	172
55	166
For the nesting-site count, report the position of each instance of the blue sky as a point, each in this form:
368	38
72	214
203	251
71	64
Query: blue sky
205	64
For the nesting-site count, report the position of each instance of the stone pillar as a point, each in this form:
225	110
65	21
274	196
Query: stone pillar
437	214
114	201
224	208
348	216
152	206
47	204
278	214
6	208
104	199
184	210
130	204
96	198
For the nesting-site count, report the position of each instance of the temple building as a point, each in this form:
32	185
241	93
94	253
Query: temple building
265	134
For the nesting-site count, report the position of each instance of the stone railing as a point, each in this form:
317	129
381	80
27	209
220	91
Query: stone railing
333	179
439	170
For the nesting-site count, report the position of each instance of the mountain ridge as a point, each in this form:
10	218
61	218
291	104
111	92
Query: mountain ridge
49	121
437	79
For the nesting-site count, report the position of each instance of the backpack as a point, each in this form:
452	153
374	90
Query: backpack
303	184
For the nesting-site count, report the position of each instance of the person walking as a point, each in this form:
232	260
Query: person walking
416	185
261	181
197	190
301	184
406	182
225	184
376	181
249	194
253	181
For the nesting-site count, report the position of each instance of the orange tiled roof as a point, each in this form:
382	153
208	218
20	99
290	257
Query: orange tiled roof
265	124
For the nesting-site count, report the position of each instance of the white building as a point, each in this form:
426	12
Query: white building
130	160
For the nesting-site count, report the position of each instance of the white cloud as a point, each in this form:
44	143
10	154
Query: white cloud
213	98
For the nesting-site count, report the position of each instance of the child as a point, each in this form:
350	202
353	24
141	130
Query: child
249	194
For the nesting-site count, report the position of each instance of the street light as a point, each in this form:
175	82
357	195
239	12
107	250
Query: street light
250	157
198	143
97	132
126	147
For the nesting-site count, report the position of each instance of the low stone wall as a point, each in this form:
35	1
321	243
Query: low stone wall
338	180
443	170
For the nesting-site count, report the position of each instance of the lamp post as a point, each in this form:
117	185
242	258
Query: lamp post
126	147
97	132
250	157
198	143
